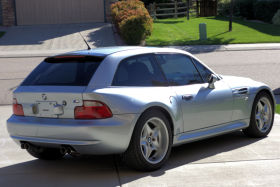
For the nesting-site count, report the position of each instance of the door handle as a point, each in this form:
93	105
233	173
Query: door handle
187	97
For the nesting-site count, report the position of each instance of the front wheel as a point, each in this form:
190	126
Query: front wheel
151	142
262	116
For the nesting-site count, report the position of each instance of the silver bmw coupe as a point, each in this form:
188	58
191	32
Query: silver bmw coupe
137	102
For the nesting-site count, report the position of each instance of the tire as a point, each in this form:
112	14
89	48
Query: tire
45	153
262	116
151	142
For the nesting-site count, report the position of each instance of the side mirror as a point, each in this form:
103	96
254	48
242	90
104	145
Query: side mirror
211	80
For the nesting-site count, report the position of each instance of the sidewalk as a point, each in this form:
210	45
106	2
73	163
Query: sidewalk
45	40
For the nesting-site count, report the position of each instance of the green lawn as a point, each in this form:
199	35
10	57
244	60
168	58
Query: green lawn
277	109
1	34
181	31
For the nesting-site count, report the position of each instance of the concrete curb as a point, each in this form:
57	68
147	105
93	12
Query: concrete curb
230	47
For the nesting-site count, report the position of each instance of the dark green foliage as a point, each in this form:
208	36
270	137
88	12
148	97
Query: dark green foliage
276	18
147	2
246	8
263	10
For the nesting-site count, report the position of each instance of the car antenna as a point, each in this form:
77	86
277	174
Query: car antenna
89	48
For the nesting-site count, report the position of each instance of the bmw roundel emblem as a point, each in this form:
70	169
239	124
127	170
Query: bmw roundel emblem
44	97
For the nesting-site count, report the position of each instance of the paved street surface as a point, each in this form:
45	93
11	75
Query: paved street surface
260	65
229	160
52	39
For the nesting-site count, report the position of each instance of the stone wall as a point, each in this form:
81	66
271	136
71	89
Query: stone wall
0	12
108	9
8	12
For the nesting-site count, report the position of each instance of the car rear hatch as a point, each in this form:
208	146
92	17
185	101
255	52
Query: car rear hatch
55	87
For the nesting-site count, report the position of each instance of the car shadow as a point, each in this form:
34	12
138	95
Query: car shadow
106	171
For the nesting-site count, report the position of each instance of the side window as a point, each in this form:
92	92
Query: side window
139	71
205	72
178	69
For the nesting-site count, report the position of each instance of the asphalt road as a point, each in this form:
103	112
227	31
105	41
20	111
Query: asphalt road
260	65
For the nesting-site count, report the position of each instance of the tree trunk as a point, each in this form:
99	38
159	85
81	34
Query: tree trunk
230	16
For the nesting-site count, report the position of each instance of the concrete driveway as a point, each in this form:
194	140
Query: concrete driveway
51	39
229	160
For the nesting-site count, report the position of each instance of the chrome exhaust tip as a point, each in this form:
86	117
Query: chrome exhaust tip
66	149
24	145
63	150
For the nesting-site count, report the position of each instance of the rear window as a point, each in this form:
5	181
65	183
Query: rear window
63	72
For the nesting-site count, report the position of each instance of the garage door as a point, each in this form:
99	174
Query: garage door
30	12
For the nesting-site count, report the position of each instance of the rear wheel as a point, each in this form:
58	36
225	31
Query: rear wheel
262	117
45	153
151	142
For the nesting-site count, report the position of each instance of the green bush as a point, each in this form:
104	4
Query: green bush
241	8
132	20
250	9
246	8
276	18
223	7
265	10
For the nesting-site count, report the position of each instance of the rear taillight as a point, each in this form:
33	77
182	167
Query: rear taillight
17	108
92	110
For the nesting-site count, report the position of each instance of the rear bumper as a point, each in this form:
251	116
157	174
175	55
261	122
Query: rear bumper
105	136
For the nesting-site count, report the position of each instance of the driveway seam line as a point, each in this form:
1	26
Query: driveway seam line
255	160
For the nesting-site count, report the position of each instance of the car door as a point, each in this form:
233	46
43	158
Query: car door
201	106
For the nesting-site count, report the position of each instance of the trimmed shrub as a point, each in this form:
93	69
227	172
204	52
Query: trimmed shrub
276	18
132	20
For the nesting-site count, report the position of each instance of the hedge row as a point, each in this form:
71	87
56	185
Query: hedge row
251	9
132	20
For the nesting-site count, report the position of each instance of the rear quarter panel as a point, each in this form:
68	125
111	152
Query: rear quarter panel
135	100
